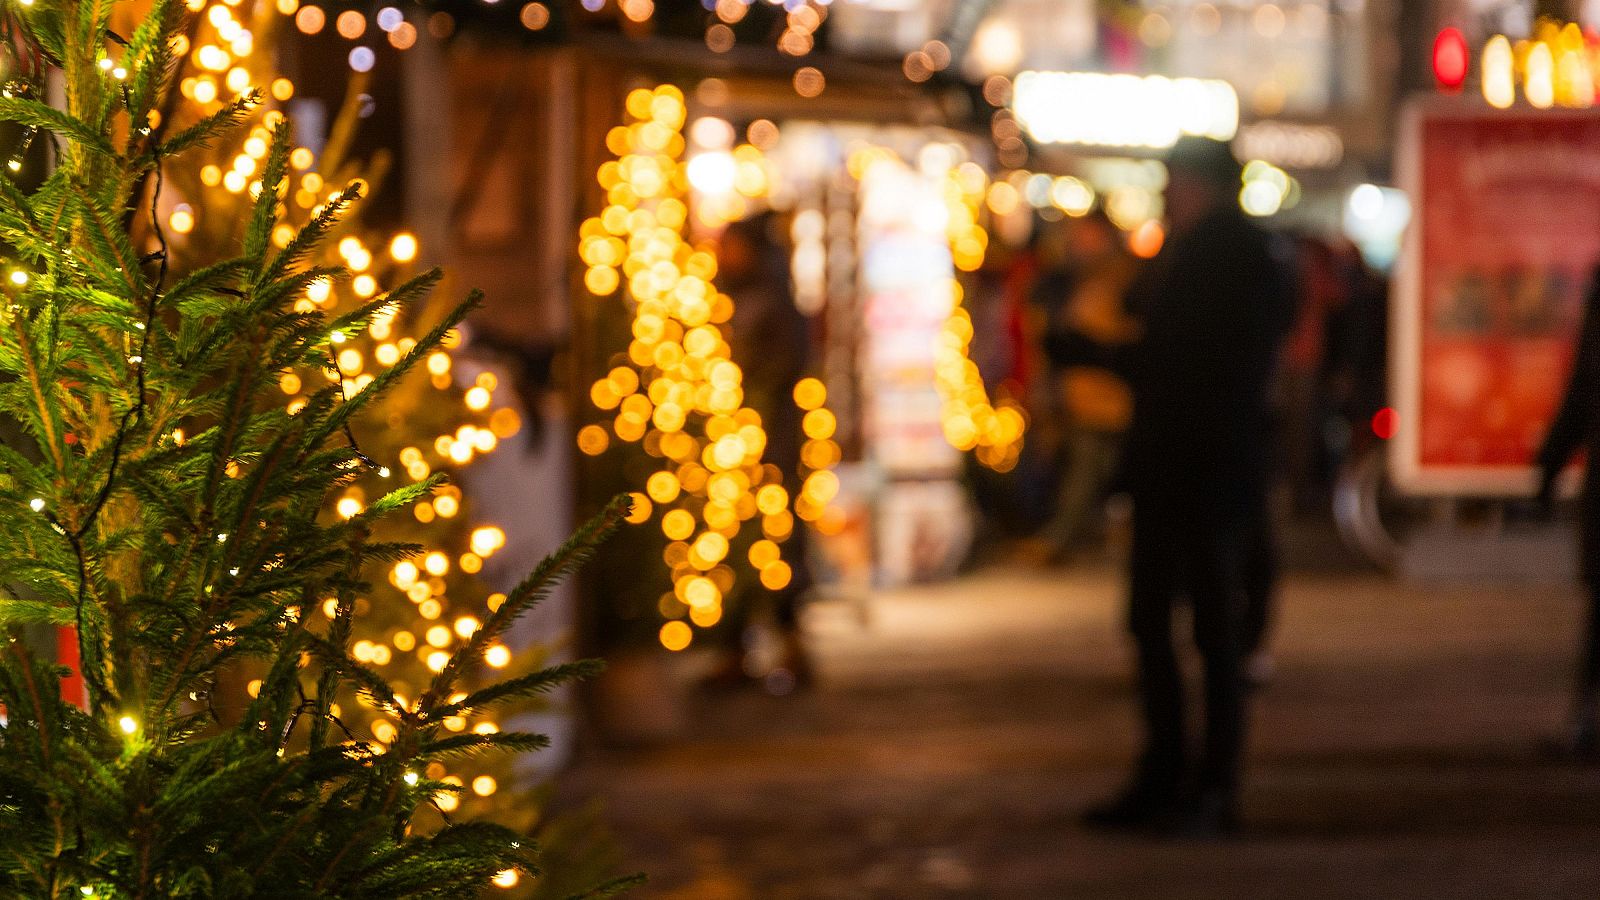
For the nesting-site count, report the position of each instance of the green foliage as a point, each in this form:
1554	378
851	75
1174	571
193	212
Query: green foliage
159	497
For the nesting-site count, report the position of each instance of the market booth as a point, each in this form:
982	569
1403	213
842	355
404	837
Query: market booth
906	152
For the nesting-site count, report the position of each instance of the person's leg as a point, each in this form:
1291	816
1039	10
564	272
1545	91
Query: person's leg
1158	776
1152	570
793	668
1081	480
1108	454
1586	709
1586	713
1260	581
1212	577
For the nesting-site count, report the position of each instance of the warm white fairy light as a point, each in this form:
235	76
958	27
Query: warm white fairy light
992	429
680	395
222	60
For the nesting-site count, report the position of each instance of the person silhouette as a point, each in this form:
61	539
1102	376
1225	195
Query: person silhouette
1577	425
1214	304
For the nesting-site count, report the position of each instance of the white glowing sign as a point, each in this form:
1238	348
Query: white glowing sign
1291	145
1123	110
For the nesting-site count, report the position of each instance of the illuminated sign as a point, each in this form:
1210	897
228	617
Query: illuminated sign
1123	110
1489	290
1292	146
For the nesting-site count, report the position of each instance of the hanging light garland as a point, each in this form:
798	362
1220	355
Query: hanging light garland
802	18
1559	66
680	395
798	37
992	430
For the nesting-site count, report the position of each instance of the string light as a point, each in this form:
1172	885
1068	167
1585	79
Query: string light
680	395
1539	77
403	247
676	636
969	419
1499	73
1558	67
350	24
534	16
220	55
809	81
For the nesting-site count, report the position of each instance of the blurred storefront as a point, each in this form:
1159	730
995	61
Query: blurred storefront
976	120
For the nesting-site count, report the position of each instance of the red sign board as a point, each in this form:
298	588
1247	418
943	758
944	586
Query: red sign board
1502	245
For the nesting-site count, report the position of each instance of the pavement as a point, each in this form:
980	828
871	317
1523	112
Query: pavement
958	730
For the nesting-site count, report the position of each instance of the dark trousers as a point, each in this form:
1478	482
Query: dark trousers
1589	550
1589	655
1179	553
1260	583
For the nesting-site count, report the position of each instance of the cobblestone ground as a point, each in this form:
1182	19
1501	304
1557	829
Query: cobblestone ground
959	730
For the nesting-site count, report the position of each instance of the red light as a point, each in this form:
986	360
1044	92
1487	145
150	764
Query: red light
1450	59
1385	422
1145	241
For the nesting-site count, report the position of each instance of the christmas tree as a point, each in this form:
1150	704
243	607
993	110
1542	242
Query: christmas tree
165	501
433	424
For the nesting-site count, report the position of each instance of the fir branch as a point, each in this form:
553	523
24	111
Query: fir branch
339	420
464	745
16	611
402	497
525	687
366	680
202	132
33	113
134	416
151	60
577	550
310	236
264	215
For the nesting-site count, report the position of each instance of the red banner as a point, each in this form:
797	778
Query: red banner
1502	246
72	689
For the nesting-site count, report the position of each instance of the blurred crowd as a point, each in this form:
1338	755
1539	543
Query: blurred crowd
1186	396
1070	284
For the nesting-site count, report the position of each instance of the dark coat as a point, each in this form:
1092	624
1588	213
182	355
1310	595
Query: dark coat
1577	424
1215	306
771	342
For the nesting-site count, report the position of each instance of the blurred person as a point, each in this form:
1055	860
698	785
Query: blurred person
1299	400
771	342
1353	384
1093	402
1297	418
1049	282
1000	300
1258	592
1577	425
1214	306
